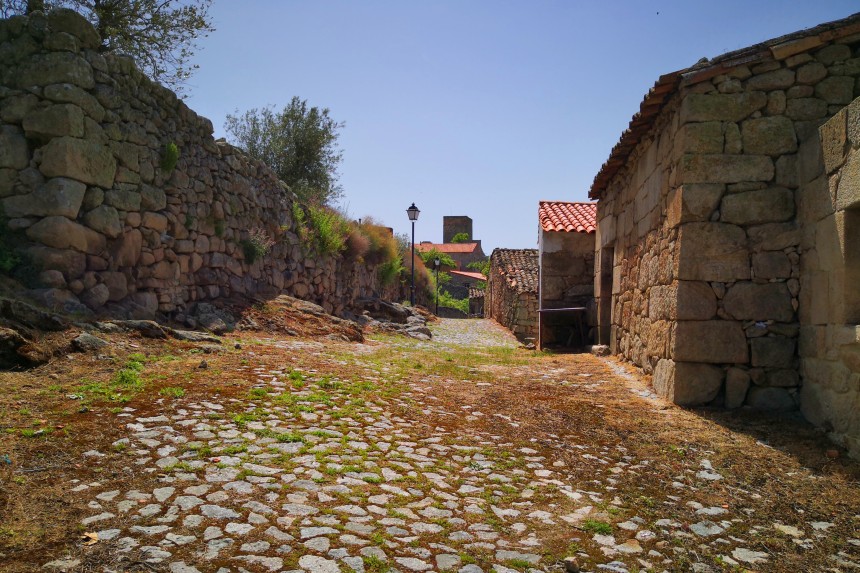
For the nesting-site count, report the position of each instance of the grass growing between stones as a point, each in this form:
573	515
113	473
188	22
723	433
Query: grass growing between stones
494	411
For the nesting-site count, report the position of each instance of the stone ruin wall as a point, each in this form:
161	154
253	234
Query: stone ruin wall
106	228
708	283
829	341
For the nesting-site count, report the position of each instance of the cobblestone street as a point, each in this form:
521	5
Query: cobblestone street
462	454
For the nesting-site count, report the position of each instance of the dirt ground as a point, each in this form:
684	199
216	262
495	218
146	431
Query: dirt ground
666	489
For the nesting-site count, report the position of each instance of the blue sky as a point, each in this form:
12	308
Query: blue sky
471	107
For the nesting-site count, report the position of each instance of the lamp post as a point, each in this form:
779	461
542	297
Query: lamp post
413	212
436	264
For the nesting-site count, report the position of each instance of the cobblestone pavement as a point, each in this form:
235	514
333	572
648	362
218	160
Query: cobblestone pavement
352	467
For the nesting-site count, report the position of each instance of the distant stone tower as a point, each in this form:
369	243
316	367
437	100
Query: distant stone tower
456	224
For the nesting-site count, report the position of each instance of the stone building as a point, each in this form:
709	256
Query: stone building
476	301
463	253
462	282
512	291
726	251
566	234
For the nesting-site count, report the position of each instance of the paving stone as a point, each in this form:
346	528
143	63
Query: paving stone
749	556
268	563
215	546
238	528
308	532
255	547
319	544
413	564
446	562
212	532
149	530
97	518
706	528
299	509
62	565
505	555
180	539
186	502
218	512
315	564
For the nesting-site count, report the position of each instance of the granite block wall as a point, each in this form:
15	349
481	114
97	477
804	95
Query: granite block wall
106	225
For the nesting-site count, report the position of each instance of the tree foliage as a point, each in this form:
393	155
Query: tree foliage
460	238
429	258
298	142
482	267
161	35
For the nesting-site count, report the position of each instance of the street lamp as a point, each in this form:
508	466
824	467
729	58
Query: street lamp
413	212
436	264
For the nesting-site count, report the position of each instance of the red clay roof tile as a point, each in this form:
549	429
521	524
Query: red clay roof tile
567	217
518	267
446	247
469	275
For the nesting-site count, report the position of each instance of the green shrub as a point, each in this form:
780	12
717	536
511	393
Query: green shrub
9	258
257	245
384	247
390	271
330	230
482	267
448	301
169	157
460	238
321	229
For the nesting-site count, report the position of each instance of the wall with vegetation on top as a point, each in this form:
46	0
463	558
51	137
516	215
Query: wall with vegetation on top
117	199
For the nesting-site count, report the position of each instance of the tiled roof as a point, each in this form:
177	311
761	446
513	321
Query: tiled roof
518	266
669	84
475	292
469	275
567	217
447	247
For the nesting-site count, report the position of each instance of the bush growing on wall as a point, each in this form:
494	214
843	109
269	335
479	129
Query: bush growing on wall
257	245
169	157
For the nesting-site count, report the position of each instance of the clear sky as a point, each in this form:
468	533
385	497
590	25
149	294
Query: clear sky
472	107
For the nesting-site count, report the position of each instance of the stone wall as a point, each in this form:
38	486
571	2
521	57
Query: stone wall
702	229
511	294
635	251
104	223
829	342
566	275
